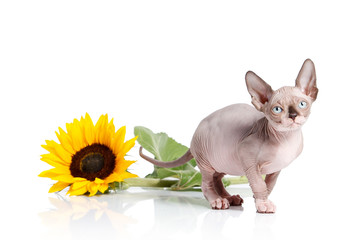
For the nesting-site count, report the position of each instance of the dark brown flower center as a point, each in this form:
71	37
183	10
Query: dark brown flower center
93	161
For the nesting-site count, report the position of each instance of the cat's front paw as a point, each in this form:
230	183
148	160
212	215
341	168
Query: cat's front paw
265	206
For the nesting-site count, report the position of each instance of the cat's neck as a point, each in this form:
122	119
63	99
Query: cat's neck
263	129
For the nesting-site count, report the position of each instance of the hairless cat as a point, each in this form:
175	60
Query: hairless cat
242	140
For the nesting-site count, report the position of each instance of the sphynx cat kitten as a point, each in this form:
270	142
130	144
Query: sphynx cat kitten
243	140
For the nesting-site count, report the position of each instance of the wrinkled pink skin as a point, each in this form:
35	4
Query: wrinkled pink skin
243	140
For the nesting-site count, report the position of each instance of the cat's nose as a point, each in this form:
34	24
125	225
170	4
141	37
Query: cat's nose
292	113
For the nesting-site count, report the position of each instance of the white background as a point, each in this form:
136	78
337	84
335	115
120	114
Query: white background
166	65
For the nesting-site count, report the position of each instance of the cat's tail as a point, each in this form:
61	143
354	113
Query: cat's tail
182	160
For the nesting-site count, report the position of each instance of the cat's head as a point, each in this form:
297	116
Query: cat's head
287	108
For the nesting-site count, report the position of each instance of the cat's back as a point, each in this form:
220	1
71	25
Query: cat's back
235	117
226	126
240	113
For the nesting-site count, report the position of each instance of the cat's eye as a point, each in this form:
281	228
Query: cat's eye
302	104
277	109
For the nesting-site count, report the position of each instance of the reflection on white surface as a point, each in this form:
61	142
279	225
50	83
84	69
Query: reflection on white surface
159	214
137	214
214	221
263	226
85	217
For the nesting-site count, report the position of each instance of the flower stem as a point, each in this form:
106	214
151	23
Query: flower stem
236	180
150	182
167	183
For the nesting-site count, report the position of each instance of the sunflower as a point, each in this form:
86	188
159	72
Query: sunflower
88	157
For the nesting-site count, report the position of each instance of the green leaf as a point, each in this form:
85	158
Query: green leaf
160	145
167	149
189	181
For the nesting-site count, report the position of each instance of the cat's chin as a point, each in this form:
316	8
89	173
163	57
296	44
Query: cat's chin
287	126
292	127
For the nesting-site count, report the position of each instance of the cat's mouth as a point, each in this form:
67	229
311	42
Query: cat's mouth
292	124
288	124
295	125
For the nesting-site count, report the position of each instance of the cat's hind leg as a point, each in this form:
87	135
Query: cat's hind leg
209	191
234	200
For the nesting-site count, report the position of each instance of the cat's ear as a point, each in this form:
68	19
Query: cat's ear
306	80
259	90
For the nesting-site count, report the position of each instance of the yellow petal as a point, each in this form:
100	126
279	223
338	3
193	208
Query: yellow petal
122	165
79	191
82	129
89	130
128	145
65	141
104	130
53	160
111	126
69	127
58	187
77	185
118	140
105	136
60	170
58	150
98	180
100	127
77	136
103	187
48	174
79	179
64	178
108	133
114	177
92	188
99	121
